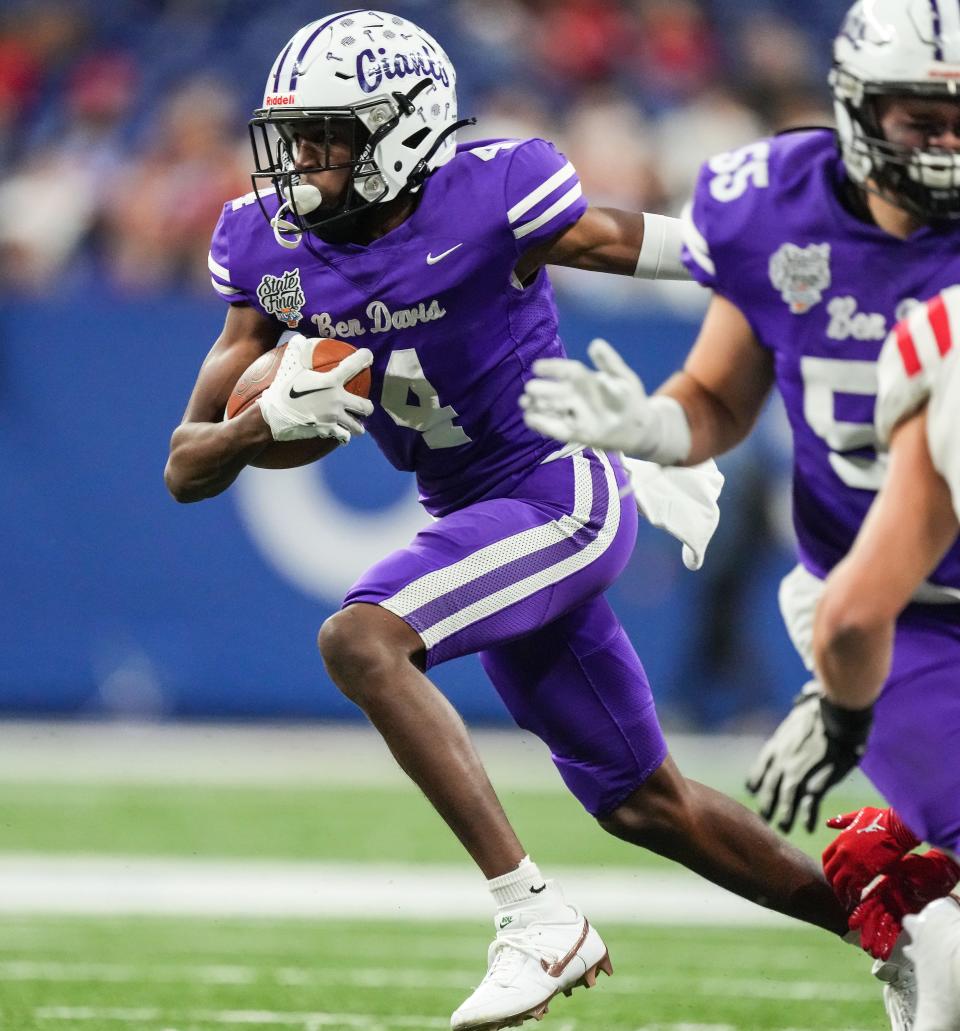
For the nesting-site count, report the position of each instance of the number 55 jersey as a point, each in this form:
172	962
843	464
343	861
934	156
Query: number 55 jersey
821	288
452	331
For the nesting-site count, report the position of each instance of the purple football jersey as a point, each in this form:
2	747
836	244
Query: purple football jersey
821	289
452	331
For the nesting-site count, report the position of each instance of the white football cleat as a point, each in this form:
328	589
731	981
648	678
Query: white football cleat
899	987
539	951
935	949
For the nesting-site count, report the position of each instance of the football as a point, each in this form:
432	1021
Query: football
327	354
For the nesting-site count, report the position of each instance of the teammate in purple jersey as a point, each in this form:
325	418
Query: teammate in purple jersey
813	252
430	258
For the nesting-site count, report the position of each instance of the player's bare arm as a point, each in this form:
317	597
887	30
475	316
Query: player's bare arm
853	630
724	382
700	412
207	453
299	403
612	240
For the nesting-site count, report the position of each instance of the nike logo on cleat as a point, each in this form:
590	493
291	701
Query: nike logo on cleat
556	968
536	891
504	921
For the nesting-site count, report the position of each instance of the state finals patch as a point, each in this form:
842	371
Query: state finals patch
801	274
283	296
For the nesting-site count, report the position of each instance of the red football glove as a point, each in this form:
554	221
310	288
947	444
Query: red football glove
907	887
871	842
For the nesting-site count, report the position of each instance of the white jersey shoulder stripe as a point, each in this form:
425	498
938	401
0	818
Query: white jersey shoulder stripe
217	269
543	190
551	213
695	241
227	291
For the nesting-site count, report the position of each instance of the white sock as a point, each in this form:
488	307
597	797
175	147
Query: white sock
521	885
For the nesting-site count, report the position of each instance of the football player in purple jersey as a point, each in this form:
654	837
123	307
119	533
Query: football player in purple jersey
815	243
429	257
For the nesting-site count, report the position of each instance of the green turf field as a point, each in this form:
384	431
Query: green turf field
205	973
202	975
282	822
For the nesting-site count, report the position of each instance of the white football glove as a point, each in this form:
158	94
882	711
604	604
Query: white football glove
300	403
606	408
682	501
800	762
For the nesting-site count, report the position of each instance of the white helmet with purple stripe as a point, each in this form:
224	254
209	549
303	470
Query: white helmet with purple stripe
897	48
383	75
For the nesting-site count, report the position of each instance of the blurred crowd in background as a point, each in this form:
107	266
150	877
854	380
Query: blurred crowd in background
123	125
123	130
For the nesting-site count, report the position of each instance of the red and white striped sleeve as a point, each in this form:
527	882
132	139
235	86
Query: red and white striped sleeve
912	359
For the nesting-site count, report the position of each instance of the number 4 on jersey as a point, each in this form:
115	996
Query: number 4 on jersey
491	150
404	376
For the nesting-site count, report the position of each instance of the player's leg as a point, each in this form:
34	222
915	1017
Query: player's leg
911	753
718	838
579	686
484	575
910	760
376	658
935	950
481	575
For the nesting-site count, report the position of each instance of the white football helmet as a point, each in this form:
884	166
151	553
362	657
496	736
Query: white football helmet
897	48
383	76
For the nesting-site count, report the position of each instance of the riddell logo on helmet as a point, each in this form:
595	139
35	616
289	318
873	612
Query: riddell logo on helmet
280	100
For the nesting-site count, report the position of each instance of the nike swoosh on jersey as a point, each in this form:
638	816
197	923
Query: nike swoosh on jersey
433	259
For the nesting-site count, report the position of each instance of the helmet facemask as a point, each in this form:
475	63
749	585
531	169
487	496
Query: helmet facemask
897	50
922	181
275	133
394	87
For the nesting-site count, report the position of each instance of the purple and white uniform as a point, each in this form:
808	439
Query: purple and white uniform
821	289
527	538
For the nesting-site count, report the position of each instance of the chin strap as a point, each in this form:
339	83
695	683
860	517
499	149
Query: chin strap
420	169
300	199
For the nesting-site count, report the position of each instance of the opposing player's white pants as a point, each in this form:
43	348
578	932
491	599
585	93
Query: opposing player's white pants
935	951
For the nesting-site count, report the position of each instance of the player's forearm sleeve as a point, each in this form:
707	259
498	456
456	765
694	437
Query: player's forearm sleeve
660	251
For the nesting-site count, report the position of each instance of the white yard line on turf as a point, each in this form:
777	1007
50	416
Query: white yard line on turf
311	1021
120	973
683	985
105	885
263	1017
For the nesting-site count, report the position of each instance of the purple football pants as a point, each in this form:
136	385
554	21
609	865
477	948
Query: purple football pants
520	579
913	755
